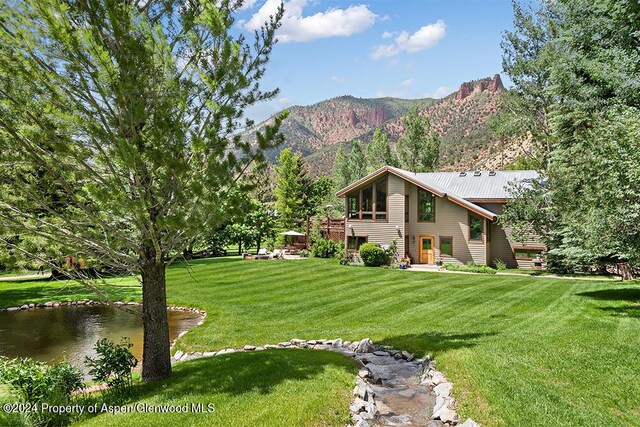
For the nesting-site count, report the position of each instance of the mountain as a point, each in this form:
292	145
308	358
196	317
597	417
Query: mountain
460	119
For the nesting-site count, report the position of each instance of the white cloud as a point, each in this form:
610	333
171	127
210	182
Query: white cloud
338	79
426	37
408	82
387	35
285	101
298	28
385	18
441	92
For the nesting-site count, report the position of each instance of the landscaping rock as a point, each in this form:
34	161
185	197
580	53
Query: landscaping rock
178	354
209	353
446	415
443	389
337	343
362	423
13	308
284	344
24	307
357	406
364	373
408	356
469	423
364	346
381	353
249	347
32	305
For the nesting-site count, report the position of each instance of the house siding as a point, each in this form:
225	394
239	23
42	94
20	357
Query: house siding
384	232
502	244
451	221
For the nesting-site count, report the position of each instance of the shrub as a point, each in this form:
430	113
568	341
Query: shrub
36	382
324	248
373	255
471	267
113	365
500	265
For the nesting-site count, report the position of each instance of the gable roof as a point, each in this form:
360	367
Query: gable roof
460	189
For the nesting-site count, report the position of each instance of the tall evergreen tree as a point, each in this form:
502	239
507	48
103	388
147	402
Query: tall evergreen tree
418	148
290	190
379	151
131	109
591	95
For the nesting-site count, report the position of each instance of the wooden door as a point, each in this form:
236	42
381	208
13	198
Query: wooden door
426	250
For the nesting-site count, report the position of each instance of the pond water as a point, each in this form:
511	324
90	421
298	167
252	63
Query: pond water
50	334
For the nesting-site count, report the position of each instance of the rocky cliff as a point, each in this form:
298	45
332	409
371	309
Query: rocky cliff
460	119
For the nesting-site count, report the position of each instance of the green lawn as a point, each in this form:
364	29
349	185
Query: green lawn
520	350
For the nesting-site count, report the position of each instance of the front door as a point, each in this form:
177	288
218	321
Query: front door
426	250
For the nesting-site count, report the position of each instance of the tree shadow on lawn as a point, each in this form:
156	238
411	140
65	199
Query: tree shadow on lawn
434	343
239	373
19	296
631	295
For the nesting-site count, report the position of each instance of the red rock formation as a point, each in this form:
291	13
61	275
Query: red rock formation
496	84
464	91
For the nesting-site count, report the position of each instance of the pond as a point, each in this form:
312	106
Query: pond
50	334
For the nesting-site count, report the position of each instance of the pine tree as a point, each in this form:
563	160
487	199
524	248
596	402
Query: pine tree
290	190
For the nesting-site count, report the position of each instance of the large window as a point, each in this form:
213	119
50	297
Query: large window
381	199
446	246
353	206
354	242
406	208
527	253
475	227
426	206
369	202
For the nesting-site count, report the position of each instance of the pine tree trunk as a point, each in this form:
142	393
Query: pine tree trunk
156	356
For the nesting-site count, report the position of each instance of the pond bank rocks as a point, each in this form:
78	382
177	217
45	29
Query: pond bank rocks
392	387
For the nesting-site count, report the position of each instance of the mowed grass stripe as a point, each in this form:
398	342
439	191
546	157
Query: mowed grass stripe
520	350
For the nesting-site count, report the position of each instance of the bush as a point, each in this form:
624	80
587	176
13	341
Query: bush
113	365
36	382
471	267
373	255
500	265
324	248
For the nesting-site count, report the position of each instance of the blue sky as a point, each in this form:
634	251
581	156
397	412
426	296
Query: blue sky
401	48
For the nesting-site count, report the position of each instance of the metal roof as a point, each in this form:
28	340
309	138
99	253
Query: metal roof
474	184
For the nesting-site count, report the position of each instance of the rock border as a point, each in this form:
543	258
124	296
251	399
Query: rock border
363	408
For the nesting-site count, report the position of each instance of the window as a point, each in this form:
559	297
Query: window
381	199
354	242
527	253
353	206
426	206
446	246
368	203
475	227
406	208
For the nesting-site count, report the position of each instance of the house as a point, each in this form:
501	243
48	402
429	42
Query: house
448	216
